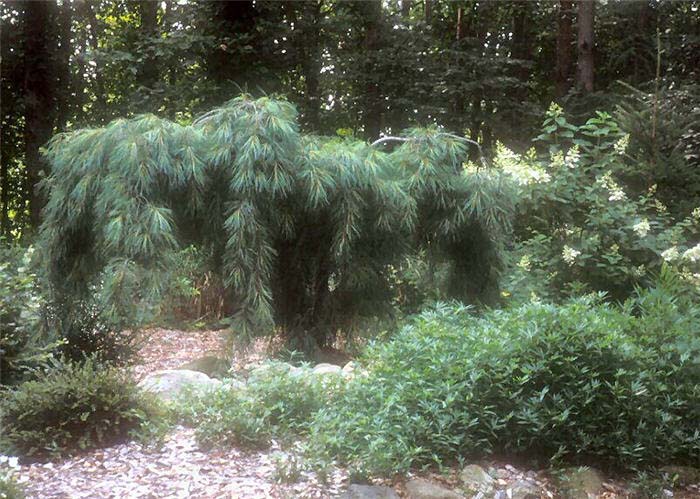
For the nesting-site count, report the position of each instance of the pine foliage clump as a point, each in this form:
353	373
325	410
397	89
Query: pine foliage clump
302	228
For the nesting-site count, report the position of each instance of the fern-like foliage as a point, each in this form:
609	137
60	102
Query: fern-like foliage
301	227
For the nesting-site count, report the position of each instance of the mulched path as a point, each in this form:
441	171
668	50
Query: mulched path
177	469
180	469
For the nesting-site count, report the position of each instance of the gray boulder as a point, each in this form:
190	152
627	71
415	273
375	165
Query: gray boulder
579	483
214	367
170	384
324	368
356	491
522	489
419	488
476	479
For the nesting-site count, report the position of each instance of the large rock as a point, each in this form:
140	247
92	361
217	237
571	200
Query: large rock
522	489
579	483
324	368
419	488
476	479
268	368
214	367
172	383
356	491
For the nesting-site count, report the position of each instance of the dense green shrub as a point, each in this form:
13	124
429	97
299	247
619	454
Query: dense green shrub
22	346
84	332
579	227
300	228
276	403
574	382
71	407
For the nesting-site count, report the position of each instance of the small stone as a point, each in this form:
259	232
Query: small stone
420	488
475	478
356	491
682	475
579	483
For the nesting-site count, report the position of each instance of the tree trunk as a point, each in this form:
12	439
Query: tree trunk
311	65
406	9
65	96
39	99
562	70
86	10
372	113
149	29
231	19
586	13
428	11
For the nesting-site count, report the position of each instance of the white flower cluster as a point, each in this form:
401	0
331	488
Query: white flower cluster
660	207
10	461
572	158
670	254
525	263
616	192
621	145
692	254
523	171
642	227
570	254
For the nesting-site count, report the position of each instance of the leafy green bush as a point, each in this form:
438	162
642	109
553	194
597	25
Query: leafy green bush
22	346
575	382
579	229
84	332
276	403
70	407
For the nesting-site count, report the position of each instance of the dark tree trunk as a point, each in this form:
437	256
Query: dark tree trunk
230	19
311	65
406	8
149	29
87	12
428	11
642	47
562	71
66	95
522	38
39	94
585	68
372	106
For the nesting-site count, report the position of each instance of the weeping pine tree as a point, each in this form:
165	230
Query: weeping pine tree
301	227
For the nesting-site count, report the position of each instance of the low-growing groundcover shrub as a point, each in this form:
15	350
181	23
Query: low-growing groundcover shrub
70	407
277	403
9	488
580	382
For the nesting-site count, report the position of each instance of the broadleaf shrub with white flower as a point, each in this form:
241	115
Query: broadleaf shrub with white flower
584	229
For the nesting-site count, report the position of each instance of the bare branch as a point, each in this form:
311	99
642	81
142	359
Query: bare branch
389	139
386	139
